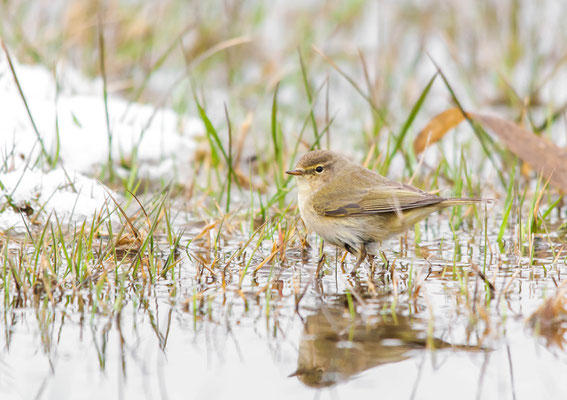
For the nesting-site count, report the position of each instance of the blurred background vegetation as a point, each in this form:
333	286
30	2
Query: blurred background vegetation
498	54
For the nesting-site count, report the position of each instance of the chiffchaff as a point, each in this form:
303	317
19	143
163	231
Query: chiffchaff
356	209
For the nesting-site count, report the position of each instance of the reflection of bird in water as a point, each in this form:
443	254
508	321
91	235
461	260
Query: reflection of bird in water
334	346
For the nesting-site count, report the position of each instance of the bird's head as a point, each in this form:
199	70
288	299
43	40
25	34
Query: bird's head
317	168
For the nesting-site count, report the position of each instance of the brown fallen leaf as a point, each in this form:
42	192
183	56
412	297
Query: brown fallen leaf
538	152
437	128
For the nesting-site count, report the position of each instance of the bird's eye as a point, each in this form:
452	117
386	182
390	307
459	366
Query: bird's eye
319	169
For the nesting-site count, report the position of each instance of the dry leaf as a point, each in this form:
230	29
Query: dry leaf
539	153
437	128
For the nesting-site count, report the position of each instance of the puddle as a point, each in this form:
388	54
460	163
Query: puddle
337	345
426	328
213	316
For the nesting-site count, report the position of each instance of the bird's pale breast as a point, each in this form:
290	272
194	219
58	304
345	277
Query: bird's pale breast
352	231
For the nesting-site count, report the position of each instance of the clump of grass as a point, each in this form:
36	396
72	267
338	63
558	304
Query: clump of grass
549	320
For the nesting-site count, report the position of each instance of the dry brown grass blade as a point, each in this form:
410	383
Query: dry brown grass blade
205	230
142	208
437	128
476	269
269	258
539	153
134	231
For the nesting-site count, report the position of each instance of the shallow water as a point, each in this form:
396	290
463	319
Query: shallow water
187	337
426	325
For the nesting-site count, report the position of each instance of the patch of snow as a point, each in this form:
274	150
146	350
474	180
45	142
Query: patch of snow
70	116
12	221
72	197
74	118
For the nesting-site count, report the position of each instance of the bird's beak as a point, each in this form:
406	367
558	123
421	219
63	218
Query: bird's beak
295	172
295	373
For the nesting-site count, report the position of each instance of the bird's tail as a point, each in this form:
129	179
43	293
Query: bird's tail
465	200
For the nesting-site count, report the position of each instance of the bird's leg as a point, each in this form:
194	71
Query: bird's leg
349	249
372	261
361	256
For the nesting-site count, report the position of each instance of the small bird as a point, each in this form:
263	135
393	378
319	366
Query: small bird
355	208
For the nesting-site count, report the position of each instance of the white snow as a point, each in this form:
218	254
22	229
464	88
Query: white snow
71	197
71	114
79	111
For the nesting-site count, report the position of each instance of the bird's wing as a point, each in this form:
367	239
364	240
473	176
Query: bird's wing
374	195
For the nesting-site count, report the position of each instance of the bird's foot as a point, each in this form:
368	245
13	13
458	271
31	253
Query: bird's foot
361	256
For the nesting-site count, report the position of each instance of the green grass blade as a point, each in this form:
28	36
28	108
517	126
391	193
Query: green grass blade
407	124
